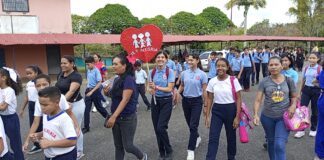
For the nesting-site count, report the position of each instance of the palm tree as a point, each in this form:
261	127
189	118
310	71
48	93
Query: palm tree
246	4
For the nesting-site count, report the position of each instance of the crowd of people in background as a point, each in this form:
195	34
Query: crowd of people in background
56	112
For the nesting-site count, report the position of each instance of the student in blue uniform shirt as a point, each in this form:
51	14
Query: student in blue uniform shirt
212	66
140	78
265	61
237	65
178	70
249	67
288	68
169	62
231	54
310	92
185	64
257	62
193	85
319	140
161	86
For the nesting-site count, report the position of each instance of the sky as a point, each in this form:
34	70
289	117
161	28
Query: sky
275	11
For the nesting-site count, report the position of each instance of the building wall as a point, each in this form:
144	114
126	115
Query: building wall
20	56
54	16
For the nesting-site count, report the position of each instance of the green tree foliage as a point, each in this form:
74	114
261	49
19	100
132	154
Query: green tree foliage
310	16
159	21
189	24
80	24
246	4
264	28
217	18
113	19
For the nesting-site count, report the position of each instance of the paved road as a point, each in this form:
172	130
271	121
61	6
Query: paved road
99	142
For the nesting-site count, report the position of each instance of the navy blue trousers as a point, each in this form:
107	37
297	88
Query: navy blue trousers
12	128
222	114
161	114
192	110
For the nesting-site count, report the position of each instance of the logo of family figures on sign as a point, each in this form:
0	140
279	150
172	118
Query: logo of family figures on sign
142	43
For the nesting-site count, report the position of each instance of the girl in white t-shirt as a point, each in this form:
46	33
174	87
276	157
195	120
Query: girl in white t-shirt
10	87
225	109
42	81
30	98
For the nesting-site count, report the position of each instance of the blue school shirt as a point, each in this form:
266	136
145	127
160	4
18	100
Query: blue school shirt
212	69
178	70
291	73
265	57
247	61
236	64
93	77
230	56
185	66
310	74
255	57
160	79
320	79
193	81
171	64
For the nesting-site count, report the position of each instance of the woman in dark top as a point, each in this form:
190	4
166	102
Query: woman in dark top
69	82
123	120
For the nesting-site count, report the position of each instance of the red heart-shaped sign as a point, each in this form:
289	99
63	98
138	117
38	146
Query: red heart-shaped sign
142	43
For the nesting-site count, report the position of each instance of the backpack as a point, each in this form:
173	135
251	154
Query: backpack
245	117
167	70
249	57
318	70
268	54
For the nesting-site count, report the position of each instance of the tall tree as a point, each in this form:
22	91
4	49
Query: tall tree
188	23
159	21
113	18
246	4
217	18
310	16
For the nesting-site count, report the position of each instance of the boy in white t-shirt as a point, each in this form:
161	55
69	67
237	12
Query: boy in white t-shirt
59	137
4	152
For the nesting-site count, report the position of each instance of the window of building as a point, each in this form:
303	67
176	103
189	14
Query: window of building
15	6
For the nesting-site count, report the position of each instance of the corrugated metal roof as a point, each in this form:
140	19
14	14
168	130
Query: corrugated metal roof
33	39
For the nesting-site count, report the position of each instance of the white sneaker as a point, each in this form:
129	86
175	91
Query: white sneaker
312	133
198	142
105	104
94	109
299	134
80	155
191	155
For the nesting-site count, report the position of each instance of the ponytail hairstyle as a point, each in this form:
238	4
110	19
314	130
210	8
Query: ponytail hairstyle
99	57
36	69
196	57
129	71
285	55
229	71
70	59
16	86
318	55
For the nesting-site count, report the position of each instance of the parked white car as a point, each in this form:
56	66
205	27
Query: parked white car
204	57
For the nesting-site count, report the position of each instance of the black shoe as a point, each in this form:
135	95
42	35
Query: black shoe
148	108
252	84
34	149
169	156
265	146
85	130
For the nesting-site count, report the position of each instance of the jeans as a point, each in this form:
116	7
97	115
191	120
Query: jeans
277	137
141	91
222	114
246	77
123	133
161	114
319	140
70	155
78	108
265	71
311	94
256	75
192	110
12	128
95	98
31	110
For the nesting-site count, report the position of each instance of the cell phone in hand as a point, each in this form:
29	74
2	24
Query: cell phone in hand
106	83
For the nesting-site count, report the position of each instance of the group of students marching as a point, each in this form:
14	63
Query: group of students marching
56	112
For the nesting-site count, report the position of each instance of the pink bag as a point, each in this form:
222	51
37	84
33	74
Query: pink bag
300	120
245	117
